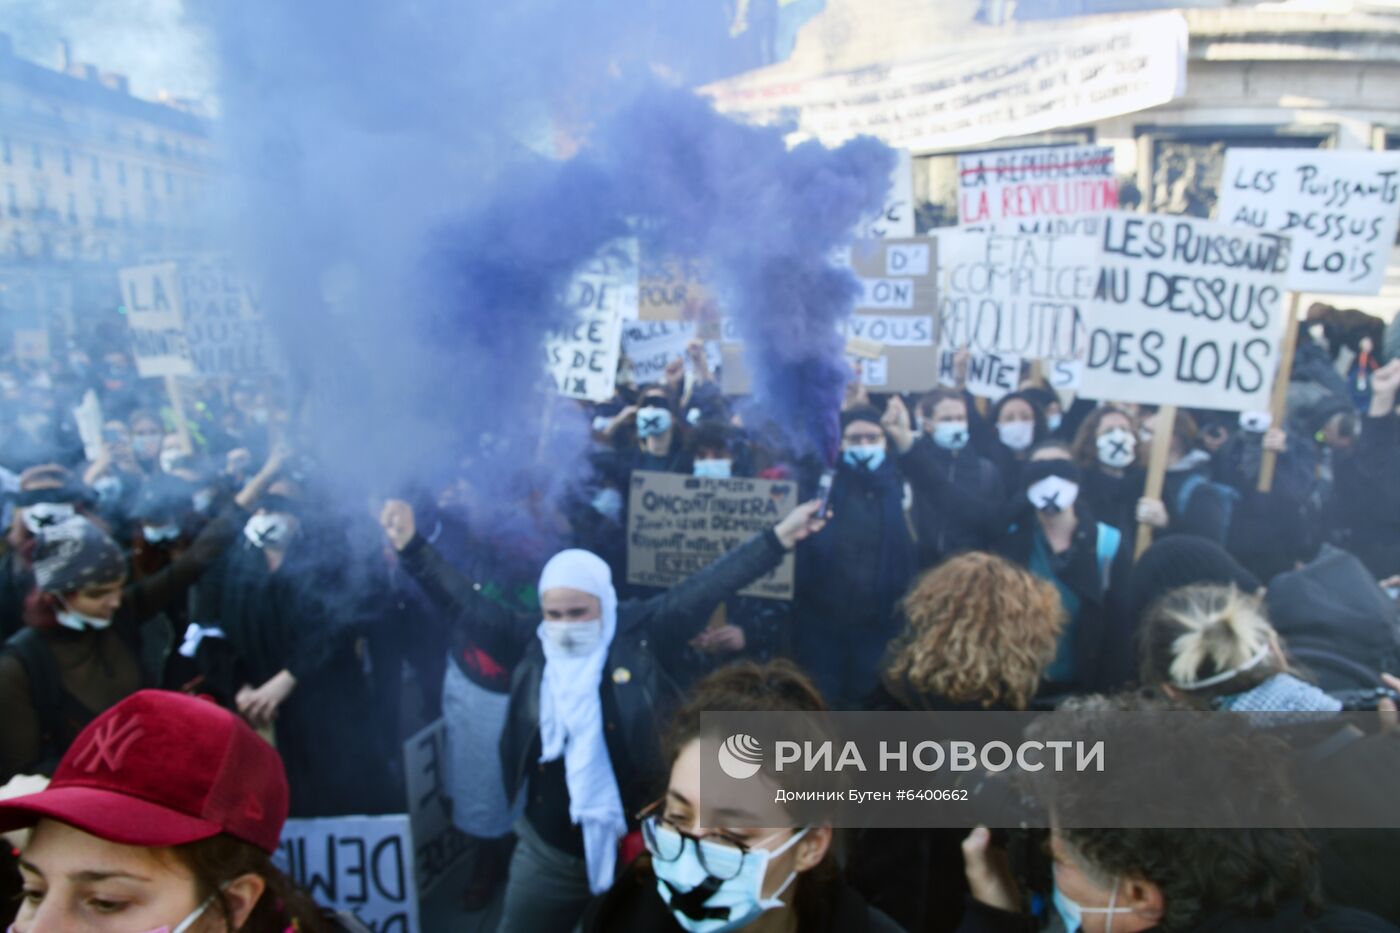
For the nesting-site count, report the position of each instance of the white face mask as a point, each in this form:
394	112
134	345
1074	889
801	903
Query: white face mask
1016	435
1073	915
79	622
714	469
44	514
160	534
1256	422
1053	494
722	892
268	529
1117	448
574	639
170	458
1054	420
951	435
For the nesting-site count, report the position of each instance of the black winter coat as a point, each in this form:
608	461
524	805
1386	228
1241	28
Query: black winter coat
1290	918
637	694
957	497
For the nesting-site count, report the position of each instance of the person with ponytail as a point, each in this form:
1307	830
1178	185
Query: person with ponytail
164	816
1053	534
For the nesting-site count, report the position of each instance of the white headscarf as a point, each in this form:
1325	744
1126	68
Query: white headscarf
571	717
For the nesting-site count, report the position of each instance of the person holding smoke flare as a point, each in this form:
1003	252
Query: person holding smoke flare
587	697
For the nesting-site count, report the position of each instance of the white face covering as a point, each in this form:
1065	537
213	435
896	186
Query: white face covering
169	458
268	529
79	622
1053	494
574	639
1117	448
1256	422
43	514
1016	435
1073	915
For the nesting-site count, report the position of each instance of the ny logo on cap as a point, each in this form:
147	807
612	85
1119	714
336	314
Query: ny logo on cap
111	741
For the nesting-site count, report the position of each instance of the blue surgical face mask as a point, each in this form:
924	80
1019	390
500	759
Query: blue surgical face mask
1073	915
1054	420
951	435
864	457
160	534
607	502
703	902
652	422
714	469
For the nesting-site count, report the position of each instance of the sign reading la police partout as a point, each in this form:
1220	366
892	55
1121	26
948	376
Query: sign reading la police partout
1190	313
1340	209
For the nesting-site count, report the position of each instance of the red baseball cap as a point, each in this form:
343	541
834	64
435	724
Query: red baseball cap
163	769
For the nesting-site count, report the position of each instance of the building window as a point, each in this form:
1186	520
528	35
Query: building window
12	199
72	208
38	156
68	162
146	177
96	169
121	173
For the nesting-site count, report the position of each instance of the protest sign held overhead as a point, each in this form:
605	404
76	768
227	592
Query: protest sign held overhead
1020	294
360	864
1191	313
1024	186
896	311
672	290
582	356
896	216
993	375
438	846
679	524
1340	209
651	346
159	341
224	320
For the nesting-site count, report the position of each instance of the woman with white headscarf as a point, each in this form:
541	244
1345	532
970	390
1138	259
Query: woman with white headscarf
588	696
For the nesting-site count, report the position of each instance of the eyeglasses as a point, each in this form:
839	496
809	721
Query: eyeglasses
720	856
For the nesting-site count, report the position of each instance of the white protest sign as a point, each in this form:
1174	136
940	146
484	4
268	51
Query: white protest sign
362	864
651	345
896	216
159	343
1340	209
970	92
88	417
993	375
1064	375
223	320
1020	185
1017	294
1192	314
583	355
438	846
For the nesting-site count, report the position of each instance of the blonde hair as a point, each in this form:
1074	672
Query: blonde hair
979	629
1213	639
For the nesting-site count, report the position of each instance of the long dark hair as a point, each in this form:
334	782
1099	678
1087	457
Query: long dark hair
221	859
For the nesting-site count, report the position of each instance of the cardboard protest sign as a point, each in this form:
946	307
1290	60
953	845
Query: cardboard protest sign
993	375
1191	314
678	524
582	356
362	864
1015	294
222	311
895	218
159	343
438	845
651	346
1004	189
1340	209
672	290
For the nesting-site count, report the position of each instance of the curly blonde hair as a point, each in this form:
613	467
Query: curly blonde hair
979	630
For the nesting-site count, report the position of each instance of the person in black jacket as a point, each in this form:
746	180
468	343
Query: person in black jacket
586	693
957	494
1192	503
798	889
1054	535
850	581
1106	449
1368	481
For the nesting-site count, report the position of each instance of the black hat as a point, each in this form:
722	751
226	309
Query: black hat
163	498
1183	560
74	554
859	413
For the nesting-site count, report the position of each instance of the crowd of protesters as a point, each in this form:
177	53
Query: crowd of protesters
967	557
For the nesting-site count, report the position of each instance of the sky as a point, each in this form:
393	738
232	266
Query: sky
150	41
